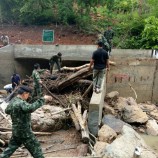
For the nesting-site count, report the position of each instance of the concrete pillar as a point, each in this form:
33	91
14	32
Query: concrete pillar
95	109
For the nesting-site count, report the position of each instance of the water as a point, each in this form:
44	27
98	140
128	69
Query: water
151	141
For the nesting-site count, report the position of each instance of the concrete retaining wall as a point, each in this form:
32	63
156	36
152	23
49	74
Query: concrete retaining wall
133	66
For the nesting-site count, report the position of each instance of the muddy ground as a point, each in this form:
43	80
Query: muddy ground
63	143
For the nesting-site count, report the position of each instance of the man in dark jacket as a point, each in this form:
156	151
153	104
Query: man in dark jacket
100	60
55	59
15	79
20	112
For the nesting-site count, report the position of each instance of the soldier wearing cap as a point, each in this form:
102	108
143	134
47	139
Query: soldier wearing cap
20	112
55	59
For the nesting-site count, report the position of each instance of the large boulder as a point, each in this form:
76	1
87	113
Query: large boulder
99	148
114	123
125	145
44	119
121	103
134	114
152	127
106	134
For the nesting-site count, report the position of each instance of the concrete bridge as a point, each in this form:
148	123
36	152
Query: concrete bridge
136	67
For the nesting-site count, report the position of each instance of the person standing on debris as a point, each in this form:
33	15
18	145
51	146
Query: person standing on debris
5	40
100	60
109	34
15	80
37	80
20	112
55	59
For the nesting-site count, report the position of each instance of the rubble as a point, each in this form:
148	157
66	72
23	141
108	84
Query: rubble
69	109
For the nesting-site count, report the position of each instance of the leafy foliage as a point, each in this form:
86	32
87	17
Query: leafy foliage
134	21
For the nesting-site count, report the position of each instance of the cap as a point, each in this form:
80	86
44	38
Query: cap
25	89
59	54
36	66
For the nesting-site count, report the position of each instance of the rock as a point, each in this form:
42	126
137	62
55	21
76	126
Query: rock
106	134
44	119
99	148
134	114
121	103
152	128
113	94
154	115
131	101
82	150
114	123
124	146
108	109
147	107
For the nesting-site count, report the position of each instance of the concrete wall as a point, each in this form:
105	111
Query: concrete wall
133	66
96	108
7	65
69	52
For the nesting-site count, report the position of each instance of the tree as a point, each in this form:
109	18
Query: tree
150	33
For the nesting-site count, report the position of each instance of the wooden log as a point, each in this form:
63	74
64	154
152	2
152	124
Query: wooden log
87	82
53	95
81	67
36	133
2	142
4	116
58	112
82	119
87	91
74	68
75	121
5	129
11	95
83	73
78	115
85	132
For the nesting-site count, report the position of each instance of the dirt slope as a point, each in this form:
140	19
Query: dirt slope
33	35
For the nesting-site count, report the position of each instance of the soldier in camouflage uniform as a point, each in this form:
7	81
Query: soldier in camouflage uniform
20	112
109	34
37	80
102	39
55	59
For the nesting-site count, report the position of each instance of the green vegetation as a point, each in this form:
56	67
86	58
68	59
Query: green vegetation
135	22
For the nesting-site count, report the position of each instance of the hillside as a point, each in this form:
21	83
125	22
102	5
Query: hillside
33	35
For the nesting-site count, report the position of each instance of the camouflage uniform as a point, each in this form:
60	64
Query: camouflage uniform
109	34
36	78
20	112
102	39
55	59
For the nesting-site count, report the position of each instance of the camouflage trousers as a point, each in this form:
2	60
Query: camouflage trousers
30	143
37	91
54	65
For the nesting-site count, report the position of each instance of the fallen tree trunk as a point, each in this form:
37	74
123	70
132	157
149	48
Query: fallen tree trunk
74	68
81	67
75	121
88	89
83	73
82	119
36	133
